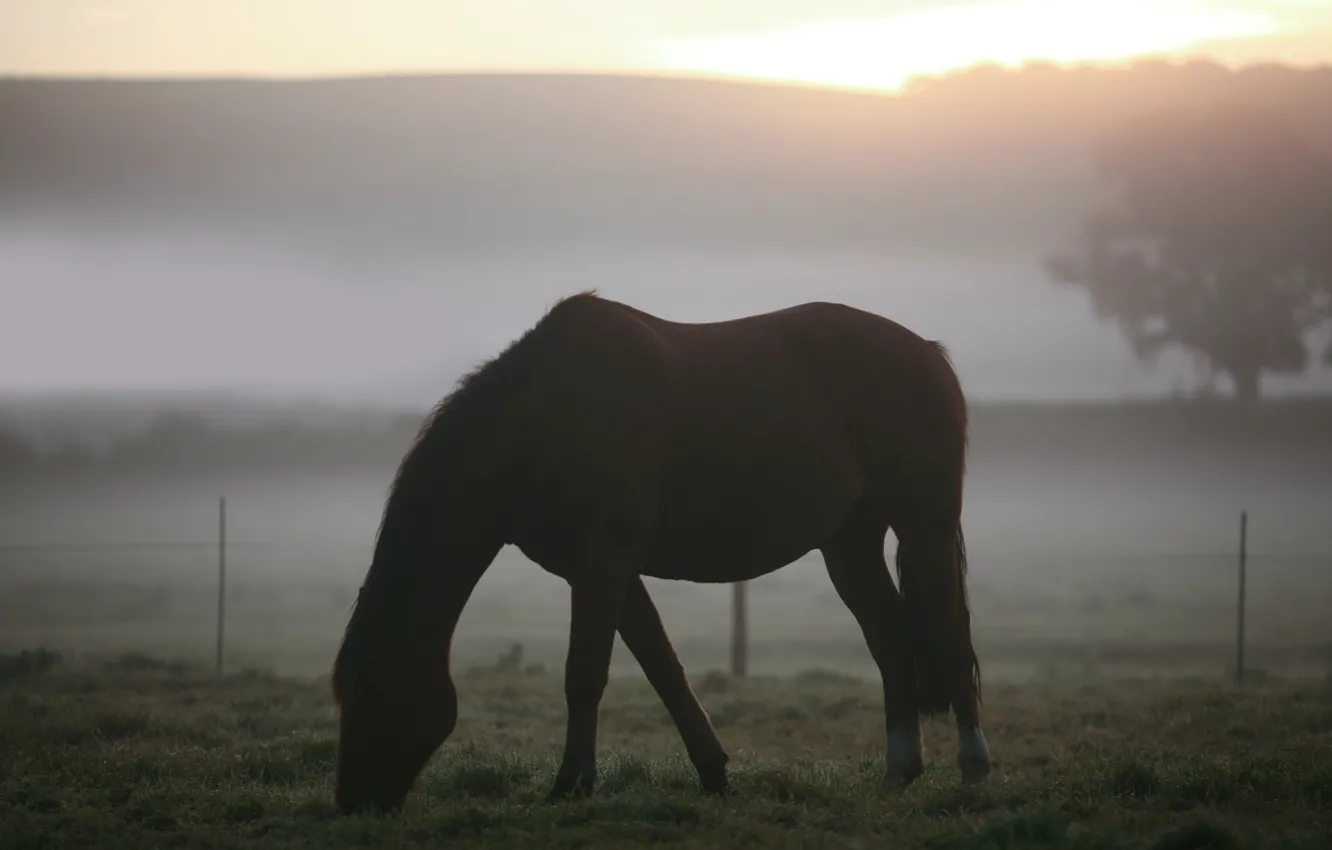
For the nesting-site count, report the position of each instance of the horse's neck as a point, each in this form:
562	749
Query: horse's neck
442	540
466	545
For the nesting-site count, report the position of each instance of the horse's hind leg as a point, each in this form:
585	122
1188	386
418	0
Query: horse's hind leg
947	672
644	634
860	575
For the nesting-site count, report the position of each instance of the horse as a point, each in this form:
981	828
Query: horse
608	444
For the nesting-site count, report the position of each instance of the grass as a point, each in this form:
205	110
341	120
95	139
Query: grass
137	753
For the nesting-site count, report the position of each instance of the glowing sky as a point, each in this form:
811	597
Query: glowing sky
859	43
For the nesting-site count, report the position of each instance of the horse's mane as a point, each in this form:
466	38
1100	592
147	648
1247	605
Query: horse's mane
443	437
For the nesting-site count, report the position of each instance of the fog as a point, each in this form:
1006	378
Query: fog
1127	557
328	259
250	324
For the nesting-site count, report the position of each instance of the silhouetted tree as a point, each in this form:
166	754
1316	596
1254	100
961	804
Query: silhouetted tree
1220	243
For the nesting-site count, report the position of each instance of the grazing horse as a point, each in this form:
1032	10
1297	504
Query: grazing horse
607	445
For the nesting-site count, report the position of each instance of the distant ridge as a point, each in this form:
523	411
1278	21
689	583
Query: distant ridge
465	163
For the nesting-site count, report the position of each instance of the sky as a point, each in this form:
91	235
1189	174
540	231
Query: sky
876	44
178	297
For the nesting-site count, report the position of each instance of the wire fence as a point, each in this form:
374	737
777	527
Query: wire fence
272	595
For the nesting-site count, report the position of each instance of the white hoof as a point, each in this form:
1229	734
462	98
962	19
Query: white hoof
973	756
903	757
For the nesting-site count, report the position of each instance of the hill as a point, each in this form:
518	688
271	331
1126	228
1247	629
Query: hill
370	168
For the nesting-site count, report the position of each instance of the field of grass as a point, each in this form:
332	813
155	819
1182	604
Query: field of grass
138	753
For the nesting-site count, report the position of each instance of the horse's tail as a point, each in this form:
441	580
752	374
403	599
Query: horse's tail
938	619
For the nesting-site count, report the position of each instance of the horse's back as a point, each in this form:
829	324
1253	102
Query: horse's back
735	446
883	387
818	372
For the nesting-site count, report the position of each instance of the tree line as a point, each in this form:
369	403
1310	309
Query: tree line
177	440
187	443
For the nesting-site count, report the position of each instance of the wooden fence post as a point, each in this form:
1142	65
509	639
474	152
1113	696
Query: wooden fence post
1243	569
739	636
221	576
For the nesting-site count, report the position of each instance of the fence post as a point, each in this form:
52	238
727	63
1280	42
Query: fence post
221	576
1243	557
739	636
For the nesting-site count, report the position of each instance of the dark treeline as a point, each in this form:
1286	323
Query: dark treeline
183	441
177	442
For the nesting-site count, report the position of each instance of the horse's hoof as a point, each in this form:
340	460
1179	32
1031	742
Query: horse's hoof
973	757
974	773
903	755
570	784
898	777
716	786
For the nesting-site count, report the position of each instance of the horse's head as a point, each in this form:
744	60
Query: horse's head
397	706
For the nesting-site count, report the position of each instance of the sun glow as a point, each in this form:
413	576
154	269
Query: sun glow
884	52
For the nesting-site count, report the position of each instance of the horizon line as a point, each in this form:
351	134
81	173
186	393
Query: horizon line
1126	65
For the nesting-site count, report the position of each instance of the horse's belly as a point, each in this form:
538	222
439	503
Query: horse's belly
736	534
718	564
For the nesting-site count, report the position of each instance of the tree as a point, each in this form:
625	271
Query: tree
1220	243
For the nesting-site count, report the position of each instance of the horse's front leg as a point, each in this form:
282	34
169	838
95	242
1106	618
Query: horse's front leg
597	585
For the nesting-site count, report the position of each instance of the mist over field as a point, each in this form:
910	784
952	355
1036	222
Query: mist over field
1098	535
255	290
